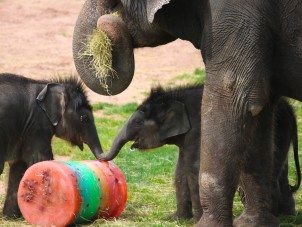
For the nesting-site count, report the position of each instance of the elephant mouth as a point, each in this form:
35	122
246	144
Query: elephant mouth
139	146
78	143
135	145
81	146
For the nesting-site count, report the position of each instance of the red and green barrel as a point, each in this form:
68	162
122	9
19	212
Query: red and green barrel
54	193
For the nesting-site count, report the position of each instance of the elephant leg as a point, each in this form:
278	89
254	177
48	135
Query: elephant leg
236	148
284	129
283	202
236	94
276	196
183	200
257	172
16	172
192	160
286	200
219	162
194	192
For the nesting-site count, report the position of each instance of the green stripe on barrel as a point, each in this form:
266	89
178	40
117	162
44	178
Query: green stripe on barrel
89	190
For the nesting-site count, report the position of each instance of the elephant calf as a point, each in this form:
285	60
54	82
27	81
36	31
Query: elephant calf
172	116
31	113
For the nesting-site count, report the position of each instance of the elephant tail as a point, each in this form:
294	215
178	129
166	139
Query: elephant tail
296	156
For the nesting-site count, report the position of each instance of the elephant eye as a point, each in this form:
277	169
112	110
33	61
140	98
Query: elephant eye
138	122
84	118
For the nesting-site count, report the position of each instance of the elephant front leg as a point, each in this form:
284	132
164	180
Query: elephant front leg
183	199
194	191
192	172
233	137
16	172
257	171
222	148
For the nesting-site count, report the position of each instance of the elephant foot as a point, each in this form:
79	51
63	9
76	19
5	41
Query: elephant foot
287	207
197	216
208	220
248	220
181	215
12	212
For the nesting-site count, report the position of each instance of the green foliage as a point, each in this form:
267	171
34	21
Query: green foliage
151	194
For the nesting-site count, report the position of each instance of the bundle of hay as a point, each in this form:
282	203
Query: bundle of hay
98	51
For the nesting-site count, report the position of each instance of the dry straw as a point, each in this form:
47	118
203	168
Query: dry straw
98	52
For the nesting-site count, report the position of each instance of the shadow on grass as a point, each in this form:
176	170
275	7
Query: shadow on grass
287	221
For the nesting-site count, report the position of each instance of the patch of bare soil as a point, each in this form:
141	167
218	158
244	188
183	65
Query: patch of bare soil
36	41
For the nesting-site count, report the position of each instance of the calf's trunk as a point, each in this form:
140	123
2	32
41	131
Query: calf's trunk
119	141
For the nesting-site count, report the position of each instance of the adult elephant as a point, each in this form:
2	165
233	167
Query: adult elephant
253	53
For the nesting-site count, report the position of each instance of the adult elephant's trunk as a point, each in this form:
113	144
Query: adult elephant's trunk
94	15
117	144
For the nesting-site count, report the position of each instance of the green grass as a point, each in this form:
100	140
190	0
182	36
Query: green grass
109	109
198	76
151	194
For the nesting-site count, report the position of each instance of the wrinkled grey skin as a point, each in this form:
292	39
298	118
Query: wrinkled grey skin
253	53
172	116
285	133
31	113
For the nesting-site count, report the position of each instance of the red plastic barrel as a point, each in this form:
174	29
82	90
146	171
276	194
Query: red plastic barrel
58	194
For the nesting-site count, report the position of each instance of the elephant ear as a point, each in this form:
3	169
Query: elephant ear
176	121
52	101
153	6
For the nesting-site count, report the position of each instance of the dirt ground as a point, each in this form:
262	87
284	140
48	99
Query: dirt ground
36	41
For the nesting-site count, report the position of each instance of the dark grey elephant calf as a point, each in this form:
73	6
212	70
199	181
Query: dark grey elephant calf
173	117
31	112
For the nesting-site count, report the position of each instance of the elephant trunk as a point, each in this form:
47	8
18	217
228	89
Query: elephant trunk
119	141
92	140
96	150
113	78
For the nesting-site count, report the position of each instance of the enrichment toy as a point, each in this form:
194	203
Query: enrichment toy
54	193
